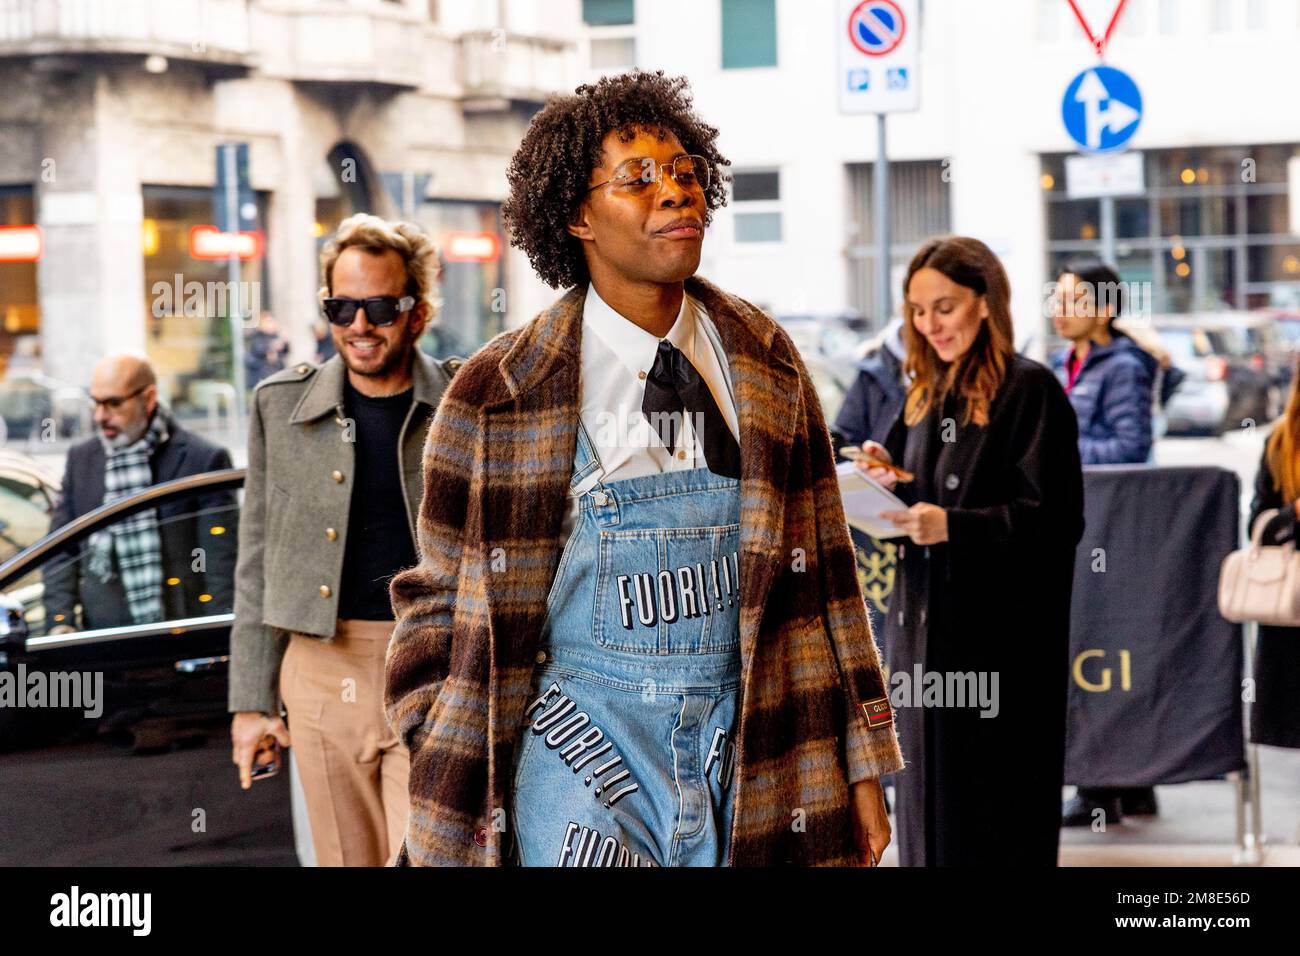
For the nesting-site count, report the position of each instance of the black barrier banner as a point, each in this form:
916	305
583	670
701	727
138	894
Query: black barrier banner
1155	671
877	568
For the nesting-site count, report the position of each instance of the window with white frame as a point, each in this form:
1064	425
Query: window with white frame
611	34
756	201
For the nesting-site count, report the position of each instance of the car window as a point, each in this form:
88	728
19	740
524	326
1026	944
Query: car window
1228	341
839	342
1185	345
23	516
172	562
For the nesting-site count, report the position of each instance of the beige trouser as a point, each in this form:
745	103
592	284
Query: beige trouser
354	769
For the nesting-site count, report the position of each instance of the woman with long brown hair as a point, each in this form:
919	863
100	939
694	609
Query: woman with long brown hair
979	620
1275	712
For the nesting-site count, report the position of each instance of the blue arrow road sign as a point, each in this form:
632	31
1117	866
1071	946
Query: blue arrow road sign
1102	109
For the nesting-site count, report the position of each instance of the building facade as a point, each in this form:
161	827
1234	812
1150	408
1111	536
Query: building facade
114	110
984	154
109	130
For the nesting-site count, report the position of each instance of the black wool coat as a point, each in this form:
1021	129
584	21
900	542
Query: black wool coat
994	599
1275	712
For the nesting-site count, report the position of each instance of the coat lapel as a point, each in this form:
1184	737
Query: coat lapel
766	382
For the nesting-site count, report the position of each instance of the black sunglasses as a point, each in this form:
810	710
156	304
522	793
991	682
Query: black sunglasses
381	310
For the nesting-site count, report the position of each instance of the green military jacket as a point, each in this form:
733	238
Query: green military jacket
293	526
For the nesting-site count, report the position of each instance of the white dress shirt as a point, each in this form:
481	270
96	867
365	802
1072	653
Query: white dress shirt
617	355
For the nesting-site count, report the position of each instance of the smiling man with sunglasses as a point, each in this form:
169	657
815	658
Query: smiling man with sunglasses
635	636
333	488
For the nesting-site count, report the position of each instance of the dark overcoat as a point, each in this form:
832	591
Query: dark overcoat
1275	712
993	599
497	464
183	525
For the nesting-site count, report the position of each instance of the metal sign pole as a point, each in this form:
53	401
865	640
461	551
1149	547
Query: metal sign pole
234	299
881	203
1108	253
1250	850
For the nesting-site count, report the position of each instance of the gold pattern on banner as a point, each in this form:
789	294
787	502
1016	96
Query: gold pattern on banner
876	567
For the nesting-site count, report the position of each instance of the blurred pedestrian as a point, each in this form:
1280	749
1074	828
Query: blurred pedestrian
1167	376
330	504
265	350
875	399
1108	376
140	569
320	330
1275	712
996	510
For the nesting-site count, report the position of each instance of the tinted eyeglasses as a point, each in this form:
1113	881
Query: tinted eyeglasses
636	176
381	310
116	402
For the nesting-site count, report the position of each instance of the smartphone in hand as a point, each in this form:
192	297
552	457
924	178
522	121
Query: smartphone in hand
266	759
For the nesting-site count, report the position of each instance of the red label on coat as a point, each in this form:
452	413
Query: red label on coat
877	712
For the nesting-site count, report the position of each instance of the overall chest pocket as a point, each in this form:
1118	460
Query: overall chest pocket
668	590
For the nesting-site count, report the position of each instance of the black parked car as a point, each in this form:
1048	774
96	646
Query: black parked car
138	772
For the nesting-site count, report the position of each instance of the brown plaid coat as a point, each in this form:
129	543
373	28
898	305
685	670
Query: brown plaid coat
497	463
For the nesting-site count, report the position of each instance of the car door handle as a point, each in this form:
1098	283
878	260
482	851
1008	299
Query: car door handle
195	664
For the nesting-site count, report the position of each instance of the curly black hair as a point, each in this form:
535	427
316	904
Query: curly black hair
548	173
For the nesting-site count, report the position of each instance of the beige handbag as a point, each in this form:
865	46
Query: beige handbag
1261	582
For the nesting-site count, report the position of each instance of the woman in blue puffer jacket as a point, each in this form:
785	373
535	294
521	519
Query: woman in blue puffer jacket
1108	376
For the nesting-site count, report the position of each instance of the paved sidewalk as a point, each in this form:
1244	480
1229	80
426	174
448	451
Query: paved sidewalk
1196	825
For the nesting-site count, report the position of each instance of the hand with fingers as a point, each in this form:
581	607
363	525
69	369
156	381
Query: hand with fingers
248	730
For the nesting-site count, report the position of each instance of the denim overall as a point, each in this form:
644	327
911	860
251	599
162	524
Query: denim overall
626	753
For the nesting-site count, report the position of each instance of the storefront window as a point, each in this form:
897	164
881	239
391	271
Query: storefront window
1211	232
25	398
20	315
188	299
471	244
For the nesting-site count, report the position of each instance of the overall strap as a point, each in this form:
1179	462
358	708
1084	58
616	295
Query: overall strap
587	469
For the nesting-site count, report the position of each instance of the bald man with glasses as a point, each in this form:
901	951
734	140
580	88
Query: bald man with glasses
142	568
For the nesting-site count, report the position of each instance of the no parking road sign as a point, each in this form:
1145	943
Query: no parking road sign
877	27
879	53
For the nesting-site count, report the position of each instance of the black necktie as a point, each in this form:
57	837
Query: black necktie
674	384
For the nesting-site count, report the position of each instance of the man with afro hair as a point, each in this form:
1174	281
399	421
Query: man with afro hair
635	636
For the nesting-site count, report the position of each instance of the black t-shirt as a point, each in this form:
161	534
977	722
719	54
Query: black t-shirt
379	536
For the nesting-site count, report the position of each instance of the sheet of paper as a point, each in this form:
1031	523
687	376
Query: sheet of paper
864	499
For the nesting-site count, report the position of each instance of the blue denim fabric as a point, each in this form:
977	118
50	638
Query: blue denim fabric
626	754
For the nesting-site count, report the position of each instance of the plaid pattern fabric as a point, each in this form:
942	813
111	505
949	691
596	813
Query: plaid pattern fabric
497	462
134	540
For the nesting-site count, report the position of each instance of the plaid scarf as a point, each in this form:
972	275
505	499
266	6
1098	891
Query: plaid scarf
134	540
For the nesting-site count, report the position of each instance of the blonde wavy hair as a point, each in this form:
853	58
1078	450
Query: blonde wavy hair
418	252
